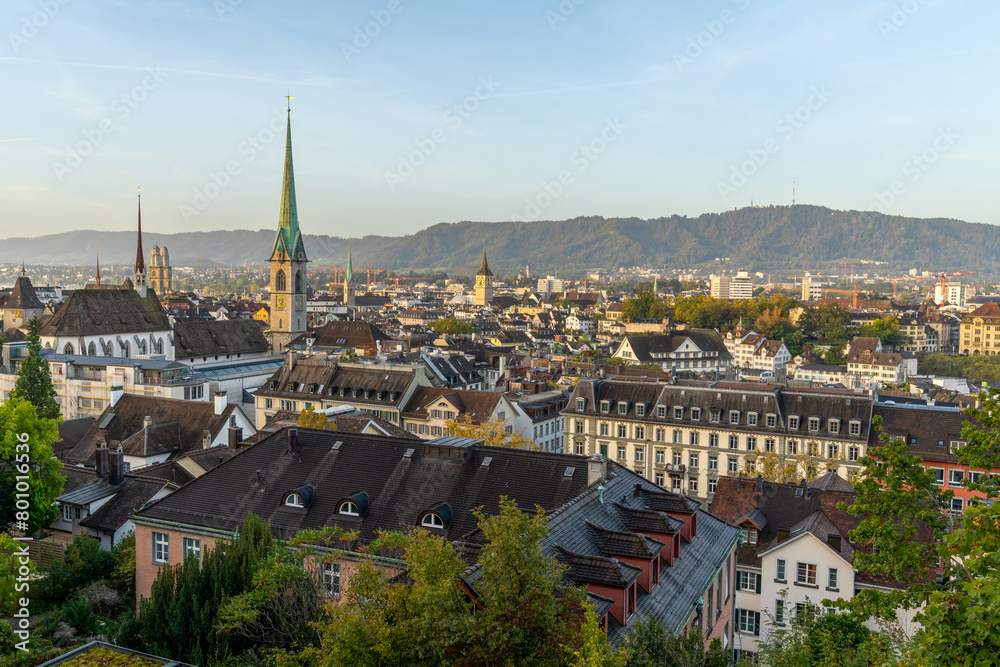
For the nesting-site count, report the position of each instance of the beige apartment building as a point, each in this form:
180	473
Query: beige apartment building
683	437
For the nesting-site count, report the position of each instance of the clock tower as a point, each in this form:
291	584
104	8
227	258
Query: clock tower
288	263
484	283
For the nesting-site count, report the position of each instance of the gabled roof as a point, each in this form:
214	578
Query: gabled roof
177	425
479	405
340	334
132	494
623	542
219	337
92	312
644	347
22	296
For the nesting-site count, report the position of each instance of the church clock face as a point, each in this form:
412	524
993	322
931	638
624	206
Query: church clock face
298	302
280	302
480	281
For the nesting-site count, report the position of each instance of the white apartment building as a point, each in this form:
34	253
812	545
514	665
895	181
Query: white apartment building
739	286
550	284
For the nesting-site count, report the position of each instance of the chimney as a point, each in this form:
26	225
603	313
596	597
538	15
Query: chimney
206	439
293	440
147	421
102	461
117	473
291	359
221	400
235	436
116	395
597	469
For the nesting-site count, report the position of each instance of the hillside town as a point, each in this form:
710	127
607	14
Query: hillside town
698	448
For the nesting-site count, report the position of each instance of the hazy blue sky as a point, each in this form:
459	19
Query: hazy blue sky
583	107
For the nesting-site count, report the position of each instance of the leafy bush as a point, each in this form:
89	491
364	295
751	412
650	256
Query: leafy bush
84	563
79	613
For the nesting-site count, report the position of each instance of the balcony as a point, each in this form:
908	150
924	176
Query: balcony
676	468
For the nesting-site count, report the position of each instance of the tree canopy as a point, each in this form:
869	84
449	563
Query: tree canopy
26	448
34	383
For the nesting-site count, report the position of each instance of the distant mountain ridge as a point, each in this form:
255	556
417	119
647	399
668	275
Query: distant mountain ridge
755	238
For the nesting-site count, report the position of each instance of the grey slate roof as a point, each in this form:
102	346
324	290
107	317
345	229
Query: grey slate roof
218	337
91	312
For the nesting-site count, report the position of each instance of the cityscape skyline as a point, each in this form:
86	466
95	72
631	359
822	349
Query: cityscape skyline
860	104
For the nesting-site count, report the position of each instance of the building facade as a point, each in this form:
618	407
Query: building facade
683	437
979	332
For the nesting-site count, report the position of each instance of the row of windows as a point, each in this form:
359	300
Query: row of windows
832	451
806	573
125	348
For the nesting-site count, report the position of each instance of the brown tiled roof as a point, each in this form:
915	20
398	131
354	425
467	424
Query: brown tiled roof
23	296
169	471
479	405
316	378
89	312
928	431
126	418
135	493
988	309
218	337
338	334
401	486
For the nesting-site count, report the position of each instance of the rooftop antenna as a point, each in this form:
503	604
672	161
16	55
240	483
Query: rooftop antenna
793	189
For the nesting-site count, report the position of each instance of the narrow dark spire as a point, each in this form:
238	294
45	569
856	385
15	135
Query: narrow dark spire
484	268
140	261
289	218
98	276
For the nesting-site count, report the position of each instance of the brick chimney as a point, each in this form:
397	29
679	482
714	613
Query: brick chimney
597	469
293	440
235	436
206	439
116	474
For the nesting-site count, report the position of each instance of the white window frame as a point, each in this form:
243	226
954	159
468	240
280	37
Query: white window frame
192	546
161	548
294	499
348	508
432	520
331	579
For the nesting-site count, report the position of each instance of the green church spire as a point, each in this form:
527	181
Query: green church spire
349	276
289	237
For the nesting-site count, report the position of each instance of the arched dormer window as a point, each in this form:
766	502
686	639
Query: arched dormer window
68	348
354	505
279	281
349	508
438	517
92	350
301	497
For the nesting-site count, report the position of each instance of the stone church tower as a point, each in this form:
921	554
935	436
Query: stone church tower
484	283
160	271
288	264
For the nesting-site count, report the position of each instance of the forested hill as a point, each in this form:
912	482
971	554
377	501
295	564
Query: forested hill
755	238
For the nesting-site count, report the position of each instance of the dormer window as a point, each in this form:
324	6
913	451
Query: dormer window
348	508
623	407
661	411
715	416
793	423
678	412
695	414
734	416
814	424
605	406
834	426
432	520
581	403
751	419
294	499
640	409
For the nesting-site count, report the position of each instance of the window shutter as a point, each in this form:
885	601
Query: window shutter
738	580
756	618
758	583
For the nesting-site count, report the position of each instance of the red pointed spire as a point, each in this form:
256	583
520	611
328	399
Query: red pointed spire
98	276
140	262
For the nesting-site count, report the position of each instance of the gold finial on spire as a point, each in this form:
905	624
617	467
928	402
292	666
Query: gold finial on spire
289	107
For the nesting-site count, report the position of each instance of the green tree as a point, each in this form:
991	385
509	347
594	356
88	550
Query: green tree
34	383
178	619
912	537
309	418
834	356
817	638
646	305
451	325
886	329
648	644
26	450
826	324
